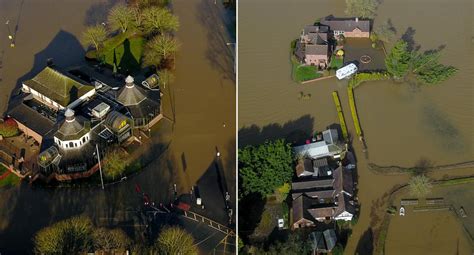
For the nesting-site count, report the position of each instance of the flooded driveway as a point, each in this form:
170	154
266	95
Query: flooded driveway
401	123
200	101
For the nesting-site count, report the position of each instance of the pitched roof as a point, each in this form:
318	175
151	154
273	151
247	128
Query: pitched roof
343	180
316	49
73	127
315	29
322	212
323	240
346	24
310	183
58	86
344	204
31	118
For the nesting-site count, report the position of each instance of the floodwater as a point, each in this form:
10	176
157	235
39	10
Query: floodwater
401	123
437	242
200	101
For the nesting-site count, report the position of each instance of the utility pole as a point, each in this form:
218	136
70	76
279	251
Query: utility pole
100	167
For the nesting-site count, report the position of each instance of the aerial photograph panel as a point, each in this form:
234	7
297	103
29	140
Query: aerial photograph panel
355	127
117	130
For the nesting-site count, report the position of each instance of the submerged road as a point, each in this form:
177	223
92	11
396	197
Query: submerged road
201	102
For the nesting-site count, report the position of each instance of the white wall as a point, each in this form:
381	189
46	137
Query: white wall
75	143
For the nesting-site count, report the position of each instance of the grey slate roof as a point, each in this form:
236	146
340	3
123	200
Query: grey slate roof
32	119
130	94
346	24
316	49
343	180
72	129
312	183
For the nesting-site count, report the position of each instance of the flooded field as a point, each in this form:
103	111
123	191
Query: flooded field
401	123
446	233
200	101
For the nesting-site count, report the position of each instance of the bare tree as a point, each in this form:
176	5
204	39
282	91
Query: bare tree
94	36
166	77
121	18
159	20
160	48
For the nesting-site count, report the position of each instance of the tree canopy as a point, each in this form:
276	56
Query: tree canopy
8	128
115	163
165	77
78	235
265	167
159	20
175	240
398	60
121	18
160	48
424	66
94	36
420	185
362	8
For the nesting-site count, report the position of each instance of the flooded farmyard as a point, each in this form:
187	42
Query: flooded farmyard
402	123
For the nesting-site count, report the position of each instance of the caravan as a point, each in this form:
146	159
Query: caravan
346	71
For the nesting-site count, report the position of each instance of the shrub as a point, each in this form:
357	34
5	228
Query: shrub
420	186
115	163
358	78
8	128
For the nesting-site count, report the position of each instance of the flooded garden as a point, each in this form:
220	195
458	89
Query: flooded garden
402	122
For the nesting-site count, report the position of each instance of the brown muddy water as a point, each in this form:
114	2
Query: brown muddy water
200	101
436	241
401	123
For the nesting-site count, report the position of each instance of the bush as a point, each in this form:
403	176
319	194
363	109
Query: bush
358	78
420	186
8	128
115	163
175	240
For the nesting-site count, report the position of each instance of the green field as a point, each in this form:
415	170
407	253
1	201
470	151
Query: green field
127	55
10	180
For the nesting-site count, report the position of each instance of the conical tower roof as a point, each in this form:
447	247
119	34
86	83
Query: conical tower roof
71	128
130	94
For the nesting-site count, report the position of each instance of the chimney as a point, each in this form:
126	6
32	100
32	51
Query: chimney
357	19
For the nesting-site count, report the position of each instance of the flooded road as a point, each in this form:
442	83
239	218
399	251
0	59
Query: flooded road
401	123
200	101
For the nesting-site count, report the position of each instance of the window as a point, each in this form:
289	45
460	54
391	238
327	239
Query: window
83	139
71	144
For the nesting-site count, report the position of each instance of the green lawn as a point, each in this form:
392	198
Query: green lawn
127	55
305	73
124	49
10	180
336	62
